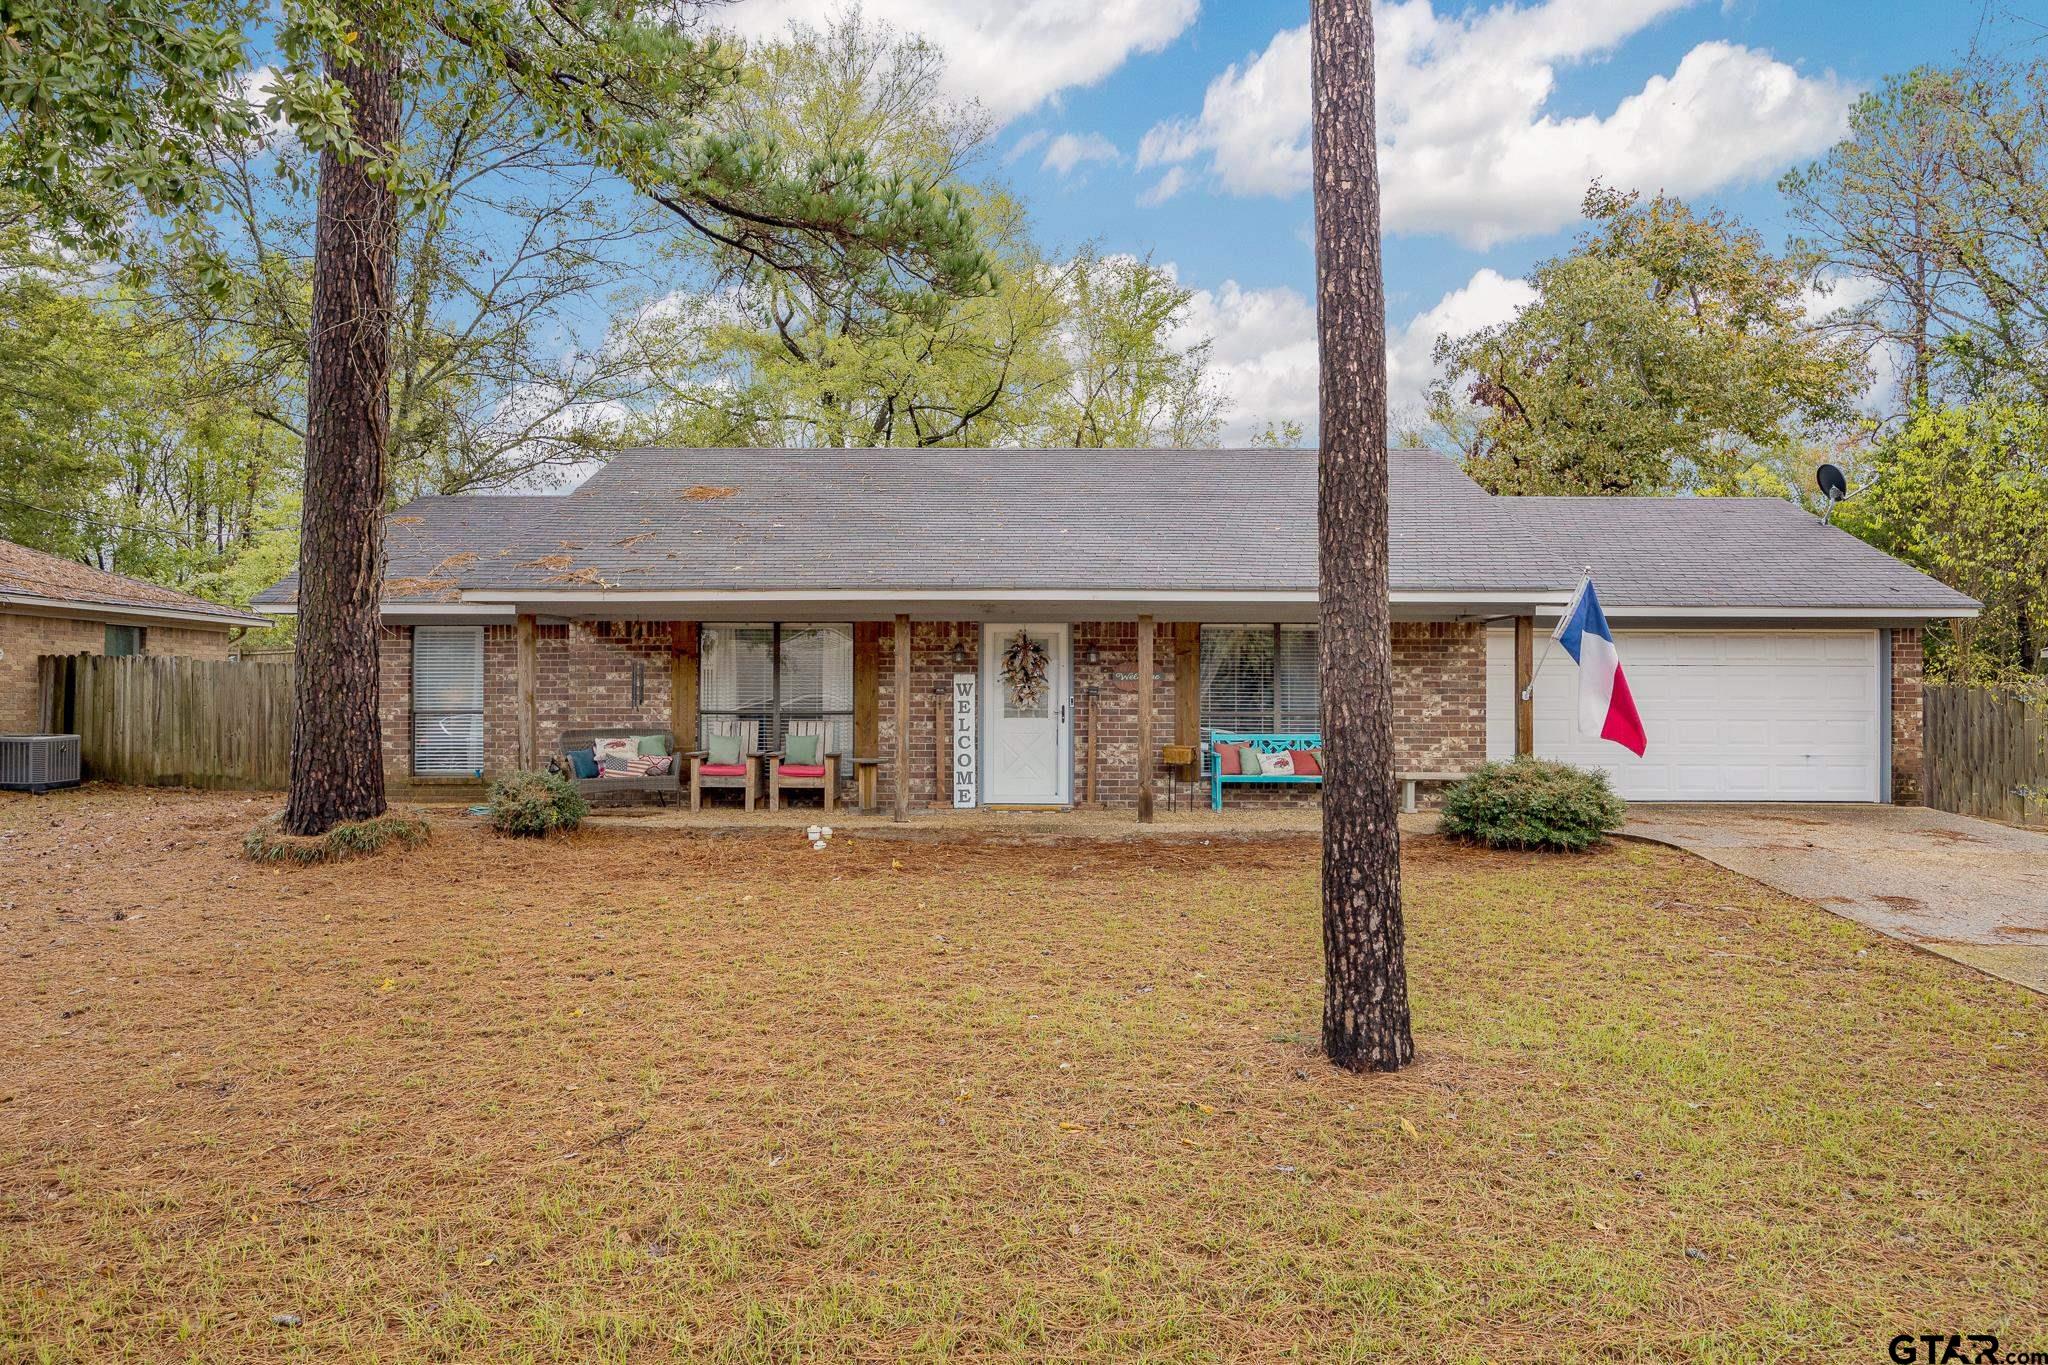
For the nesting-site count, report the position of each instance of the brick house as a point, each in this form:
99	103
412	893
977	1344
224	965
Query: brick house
1773	658
50	605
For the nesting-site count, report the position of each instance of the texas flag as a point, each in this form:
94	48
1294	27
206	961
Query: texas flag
1605	707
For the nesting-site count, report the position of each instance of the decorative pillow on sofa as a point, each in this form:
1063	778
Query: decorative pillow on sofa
621	749
1276	765
614	766
583	763
723	750
1250	761
1229	759
648	765
801	750
1308	762
650	744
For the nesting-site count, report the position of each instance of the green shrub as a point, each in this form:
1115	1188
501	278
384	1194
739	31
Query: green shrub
267	843
535	805
1533	803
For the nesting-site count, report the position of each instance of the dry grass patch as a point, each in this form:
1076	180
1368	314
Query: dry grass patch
639	1095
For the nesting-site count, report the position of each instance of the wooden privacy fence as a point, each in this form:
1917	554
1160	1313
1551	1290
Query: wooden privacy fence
1987	755
159	721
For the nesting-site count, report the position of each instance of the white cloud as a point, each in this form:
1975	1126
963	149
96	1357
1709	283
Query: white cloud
1026	145
1263	355
1012	55
1069	150
1173	182
1467	146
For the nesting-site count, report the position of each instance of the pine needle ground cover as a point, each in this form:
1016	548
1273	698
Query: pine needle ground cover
629	1094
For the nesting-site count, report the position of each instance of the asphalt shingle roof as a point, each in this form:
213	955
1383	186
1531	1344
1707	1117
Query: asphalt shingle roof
1223	520
31	573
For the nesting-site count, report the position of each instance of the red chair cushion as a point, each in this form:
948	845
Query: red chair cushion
801	769
722	769
1308	762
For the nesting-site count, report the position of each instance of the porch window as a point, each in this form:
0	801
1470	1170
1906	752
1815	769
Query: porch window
447	701
1260	679
775	674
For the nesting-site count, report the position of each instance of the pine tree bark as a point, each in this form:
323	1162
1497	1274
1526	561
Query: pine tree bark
337	763
1365	1000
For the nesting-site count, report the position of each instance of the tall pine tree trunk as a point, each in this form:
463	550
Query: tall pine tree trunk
1365	1001
337	763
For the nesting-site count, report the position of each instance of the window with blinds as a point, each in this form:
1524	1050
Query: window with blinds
776	674
1261	679
448	700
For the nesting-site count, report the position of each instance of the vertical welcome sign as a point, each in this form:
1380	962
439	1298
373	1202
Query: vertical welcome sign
966	742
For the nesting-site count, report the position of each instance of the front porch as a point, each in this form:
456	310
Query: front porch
925	713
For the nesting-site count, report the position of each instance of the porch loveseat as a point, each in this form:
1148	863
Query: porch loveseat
585	769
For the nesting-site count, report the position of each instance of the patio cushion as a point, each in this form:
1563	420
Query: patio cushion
723	750
614	766
1276	765
650	744
583	763
621	749
1308	762
648	765
1230	759
801	769
722	769
800	748
1248	761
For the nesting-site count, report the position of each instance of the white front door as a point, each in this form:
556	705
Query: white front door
1026	758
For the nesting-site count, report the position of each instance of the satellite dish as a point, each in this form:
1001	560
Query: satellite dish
1834	486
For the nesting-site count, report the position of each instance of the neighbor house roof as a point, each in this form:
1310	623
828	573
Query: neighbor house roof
1093	521
47	584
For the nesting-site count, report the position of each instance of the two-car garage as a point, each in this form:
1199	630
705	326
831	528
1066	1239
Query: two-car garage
1732	715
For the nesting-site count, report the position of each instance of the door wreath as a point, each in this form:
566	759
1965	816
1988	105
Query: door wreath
1025	662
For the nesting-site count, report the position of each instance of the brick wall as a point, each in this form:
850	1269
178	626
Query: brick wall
1439	696
1908	717
25	638
931	706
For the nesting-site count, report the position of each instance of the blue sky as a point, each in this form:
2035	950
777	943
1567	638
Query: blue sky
1177	128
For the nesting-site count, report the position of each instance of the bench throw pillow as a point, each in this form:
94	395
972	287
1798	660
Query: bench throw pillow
621	749
614	766
723	750
1230	759
648	765
1308	762
1276	765
583	763
650	744
1250	762
801	750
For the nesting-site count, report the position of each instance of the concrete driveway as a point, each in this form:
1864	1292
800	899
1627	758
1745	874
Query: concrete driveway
1967	889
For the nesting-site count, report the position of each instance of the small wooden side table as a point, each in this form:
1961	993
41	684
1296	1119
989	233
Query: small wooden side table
1179	762
865	771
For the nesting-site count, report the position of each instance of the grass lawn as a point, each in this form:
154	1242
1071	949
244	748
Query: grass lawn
645	1096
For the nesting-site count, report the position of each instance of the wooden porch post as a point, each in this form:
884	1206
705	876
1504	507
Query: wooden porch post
902	718
1525	670
1144	720
685	660
529	692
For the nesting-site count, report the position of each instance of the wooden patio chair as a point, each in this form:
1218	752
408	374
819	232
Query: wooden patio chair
822	776
745	774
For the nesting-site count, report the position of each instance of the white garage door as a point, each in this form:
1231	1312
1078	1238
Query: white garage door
1731	715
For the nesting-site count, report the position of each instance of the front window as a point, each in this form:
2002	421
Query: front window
448	701
124	641
1261	680
768	677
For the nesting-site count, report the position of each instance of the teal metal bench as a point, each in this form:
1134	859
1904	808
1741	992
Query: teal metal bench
1265	744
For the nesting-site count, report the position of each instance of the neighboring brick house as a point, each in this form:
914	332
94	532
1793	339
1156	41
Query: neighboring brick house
50	605
1773	658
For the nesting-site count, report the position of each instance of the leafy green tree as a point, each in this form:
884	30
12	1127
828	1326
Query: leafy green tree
1938	199
1962	493
1668	351
104	100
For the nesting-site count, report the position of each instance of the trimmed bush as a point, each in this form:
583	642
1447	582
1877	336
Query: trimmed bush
535	805
1533	803
267	843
